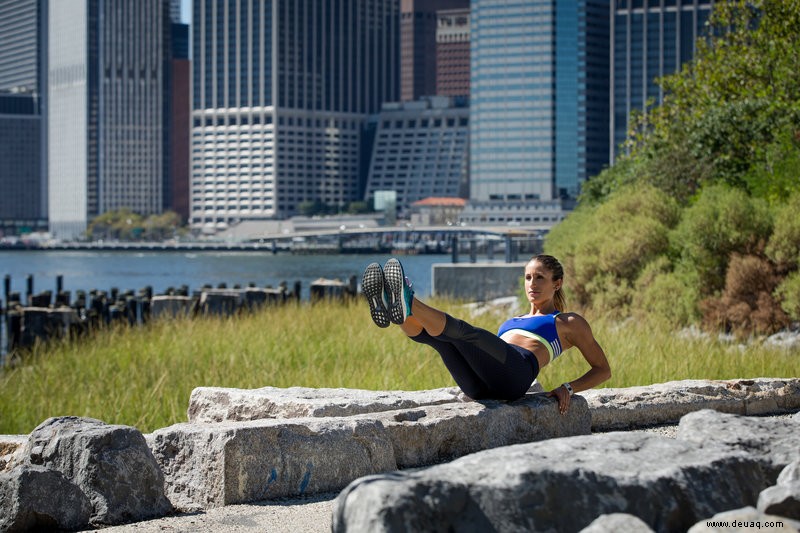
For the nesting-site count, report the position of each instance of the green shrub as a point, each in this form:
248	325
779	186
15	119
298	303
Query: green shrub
788	294
603	249
784	244
722	221
667	294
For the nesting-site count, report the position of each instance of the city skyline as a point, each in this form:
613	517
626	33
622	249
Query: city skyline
285	116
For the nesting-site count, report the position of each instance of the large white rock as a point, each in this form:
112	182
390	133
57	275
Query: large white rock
276	458
217	404
436	433
773	441
666	403
556	485
11	447
211	465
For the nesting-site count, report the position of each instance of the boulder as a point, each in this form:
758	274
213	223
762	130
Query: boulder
618	523
212	465
557	485
435	433
773	441
783	499
666	403
11	447
35	498
745	519
111	464
216	404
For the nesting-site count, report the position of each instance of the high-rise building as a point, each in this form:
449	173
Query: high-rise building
176	190
420	150
452	52
650	40
281	89
23	168
418	26
108	69
21	44
533	106
23	202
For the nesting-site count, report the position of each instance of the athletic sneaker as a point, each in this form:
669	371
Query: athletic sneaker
372	287
399	292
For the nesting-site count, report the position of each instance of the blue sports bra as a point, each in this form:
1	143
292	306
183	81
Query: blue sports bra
539	327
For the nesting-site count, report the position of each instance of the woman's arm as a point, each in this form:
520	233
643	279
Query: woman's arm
578	333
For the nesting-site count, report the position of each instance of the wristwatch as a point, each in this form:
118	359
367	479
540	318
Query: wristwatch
569	388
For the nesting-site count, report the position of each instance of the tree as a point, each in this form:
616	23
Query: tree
740	94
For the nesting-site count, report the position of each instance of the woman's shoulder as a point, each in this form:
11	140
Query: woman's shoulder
572	320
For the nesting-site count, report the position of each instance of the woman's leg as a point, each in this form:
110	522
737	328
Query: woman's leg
466	378
506	369
481	363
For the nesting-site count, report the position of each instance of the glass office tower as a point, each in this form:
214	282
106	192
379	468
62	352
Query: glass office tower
108	69
652	38
281	89
537	96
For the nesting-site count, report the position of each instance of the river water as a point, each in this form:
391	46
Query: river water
87	270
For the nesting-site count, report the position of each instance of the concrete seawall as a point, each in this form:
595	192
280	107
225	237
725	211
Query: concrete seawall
477	281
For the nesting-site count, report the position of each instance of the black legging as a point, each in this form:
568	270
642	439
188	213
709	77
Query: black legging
483	365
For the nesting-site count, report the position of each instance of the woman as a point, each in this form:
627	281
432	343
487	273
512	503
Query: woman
485	365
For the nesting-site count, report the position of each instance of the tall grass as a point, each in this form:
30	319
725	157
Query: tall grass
143	376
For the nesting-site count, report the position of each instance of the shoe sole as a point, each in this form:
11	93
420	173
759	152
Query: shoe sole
394	276
372	287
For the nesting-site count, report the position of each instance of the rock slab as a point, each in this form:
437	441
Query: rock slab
212	465
666	403
219	404
774	442
559	485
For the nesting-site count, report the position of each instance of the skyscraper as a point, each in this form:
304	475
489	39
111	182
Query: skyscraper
23	168
651	39
21	44
452	52
533	106
281	89
420	150
418	25
176	190
108	64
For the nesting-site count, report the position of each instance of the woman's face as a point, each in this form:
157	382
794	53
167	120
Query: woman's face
539	284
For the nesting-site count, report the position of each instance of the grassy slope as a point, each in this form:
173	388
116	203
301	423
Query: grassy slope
143	376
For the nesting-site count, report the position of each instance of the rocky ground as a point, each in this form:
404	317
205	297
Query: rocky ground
312	514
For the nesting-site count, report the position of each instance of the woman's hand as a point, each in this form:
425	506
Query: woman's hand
563	397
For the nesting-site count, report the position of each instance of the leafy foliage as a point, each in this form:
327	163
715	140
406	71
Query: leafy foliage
125	225
784	244
731	115
723	220
605	247
723	149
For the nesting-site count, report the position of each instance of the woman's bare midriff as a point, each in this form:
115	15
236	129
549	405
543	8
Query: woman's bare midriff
534	346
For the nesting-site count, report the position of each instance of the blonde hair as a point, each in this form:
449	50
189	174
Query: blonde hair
554	266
